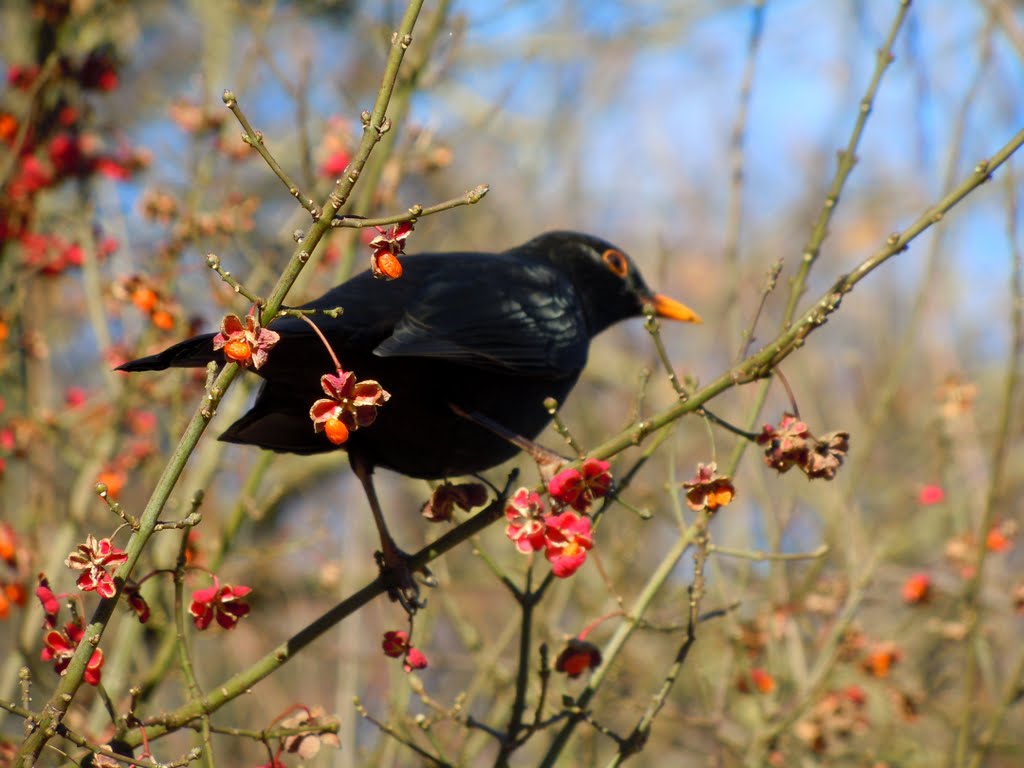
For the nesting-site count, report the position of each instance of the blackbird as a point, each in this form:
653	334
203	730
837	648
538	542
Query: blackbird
468	344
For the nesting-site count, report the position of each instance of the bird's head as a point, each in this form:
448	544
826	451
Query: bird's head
606	279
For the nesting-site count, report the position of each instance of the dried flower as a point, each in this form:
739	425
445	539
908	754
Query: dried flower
447	496
709	490
307	745
826	455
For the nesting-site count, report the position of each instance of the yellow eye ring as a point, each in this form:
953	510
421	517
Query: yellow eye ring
616	262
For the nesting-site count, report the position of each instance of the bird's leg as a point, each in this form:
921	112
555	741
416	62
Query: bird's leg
393	562
548	462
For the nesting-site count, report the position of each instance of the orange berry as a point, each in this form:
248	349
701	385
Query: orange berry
997	540
389	266
144	298
4	331
163	320
763	682
8	127
917	588
16	593
239	351
5	606
7	545
336	431
114	480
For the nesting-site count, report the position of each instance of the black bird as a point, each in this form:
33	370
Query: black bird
490	335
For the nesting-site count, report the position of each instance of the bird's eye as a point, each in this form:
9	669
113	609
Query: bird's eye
616	262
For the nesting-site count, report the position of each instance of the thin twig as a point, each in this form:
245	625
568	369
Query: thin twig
415	212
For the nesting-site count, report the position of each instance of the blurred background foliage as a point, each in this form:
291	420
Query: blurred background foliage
619	118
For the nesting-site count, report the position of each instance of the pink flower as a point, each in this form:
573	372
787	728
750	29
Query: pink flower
396	645
93	558
414	659
74	397
526	527
579	487
136	602
930	495
567	539
221	602
245	344
22	76
335	164
577	657
51	605
60	647
349	403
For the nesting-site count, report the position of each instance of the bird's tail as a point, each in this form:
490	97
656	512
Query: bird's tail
191	353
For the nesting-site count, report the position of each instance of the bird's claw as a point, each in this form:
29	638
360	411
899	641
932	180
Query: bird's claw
402	580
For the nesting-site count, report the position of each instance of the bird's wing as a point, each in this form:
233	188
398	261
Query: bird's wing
525	321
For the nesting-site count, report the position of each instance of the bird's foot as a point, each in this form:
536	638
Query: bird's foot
402	579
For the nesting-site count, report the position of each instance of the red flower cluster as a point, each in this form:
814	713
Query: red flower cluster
12	590
225	603
60	647
578	488
387	246
247	344
791	444
92	559
349	404
396	645
57	146
564	536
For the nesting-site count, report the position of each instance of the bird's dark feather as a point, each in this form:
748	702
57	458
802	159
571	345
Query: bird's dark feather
493	334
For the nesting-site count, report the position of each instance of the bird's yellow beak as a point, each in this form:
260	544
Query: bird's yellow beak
673	310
